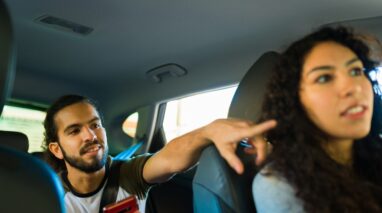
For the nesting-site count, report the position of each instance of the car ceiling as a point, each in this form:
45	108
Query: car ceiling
215	40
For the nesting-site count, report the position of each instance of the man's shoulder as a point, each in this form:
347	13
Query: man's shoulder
128	167
133	160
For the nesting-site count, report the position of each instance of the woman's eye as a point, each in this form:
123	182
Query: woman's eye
356	71
323	79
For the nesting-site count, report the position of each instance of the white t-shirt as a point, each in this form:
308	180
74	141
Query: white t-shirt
130	179
90	204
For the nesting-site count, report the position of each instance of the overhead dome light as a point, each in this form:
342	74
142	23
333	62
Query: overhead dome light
158	74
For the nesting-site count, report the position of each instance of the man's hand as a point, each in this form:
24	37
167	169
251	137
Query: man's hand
227	133
184	151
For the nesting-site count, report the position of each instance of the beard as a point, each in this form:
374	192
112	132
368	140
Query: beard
86	167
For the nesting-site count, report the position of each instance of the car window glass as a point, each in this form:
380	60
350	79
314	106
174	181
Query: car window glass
377	75
27	121
185	114
129	126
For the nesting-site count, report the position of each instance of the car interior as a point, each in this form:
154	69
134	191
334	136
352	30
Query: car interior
27	183
214	180
137	57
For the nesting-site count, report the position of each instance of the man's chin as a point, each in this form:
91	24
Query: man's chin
89	165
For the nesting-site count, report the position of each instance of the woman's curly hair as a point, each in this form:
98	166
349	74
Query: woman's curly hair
321	183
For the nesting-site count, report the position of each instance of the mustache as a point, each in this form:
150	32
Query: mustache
86	147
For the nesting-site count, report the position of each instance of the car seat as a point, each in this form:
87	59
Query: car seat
27	184
216	187
15	140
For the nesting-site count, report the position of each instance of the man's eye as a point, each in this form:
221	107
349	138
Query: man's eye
96	125
74	132
356	71
323	79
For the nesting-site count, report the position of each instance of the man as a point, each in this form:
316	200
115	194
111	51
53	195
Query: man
76	143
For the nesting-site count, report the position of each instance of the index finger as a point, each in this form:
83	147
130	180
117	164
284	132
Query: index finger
260	128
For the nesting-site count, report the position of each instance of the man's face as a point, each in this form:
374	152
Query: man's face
82	138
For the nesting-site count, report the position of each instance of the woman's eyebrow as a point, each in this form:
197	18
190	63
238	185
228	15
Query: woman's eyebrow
352	61
321	68
328	67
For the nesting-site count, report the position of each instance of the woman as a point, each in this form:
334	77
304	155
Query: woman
327	148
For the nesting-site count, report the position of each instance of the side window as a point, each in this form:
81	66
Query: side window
130	125
27	121
186	114
377	75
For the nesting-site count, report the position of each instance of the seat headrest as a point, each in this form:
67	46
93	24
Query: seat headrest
14	140
214	180
28	184
7	55
247	101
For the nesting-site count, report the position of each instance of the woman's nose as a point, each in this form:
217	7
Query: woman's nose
349	86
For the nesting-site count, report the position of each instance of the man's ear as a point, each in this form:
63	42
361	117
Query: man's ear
55	149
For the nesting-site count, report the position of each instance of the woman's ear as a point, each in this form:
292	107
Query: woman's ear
55	149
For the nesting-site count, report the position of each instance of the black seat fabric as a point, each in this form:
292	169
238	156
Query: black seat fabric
15	140
7	55
27	184
7	72
172	196
216	187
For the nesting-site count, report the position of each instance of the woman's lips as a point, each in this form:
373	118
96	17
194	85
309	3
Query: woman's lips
354	112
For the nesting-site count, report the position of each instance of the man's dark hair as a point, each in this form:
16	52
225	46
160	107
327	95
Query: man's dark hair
50	127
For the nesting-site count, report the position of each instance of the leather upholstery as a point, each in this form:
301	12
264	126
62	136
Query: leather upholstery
15	140
27	184
216	187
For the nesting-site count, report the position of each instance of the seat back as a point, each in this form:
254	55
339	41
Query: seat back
7	55
28	184
7	71
15	140
217	188
172	196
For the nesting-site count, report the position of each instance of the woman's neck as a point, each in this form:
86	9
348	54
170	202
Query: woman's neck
340	150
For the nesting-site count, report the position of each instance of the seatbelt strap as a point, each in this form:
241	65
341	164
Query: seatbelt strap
110	192
126	154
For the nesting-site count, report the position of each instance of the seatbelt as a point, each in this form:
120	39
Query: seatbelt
110	192
126	154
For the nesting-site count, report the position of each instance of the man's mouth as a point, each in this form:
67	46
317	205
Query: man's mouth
96	148
90	148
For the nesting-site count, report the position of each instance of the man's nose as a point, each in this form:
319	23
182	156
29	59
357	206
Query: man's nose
88	135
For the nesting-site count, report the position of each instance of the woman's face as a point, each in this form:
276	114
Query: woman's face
335	92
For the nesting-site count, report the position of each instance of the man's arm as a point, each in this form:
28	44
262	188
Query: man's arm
183	152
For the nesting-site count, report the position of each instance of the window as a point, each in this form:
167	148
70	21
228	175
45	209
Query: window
377	75
186	114
27	121
129	126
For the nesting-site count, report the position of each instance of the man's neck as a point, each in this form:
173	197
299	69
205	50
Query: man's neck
83	182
